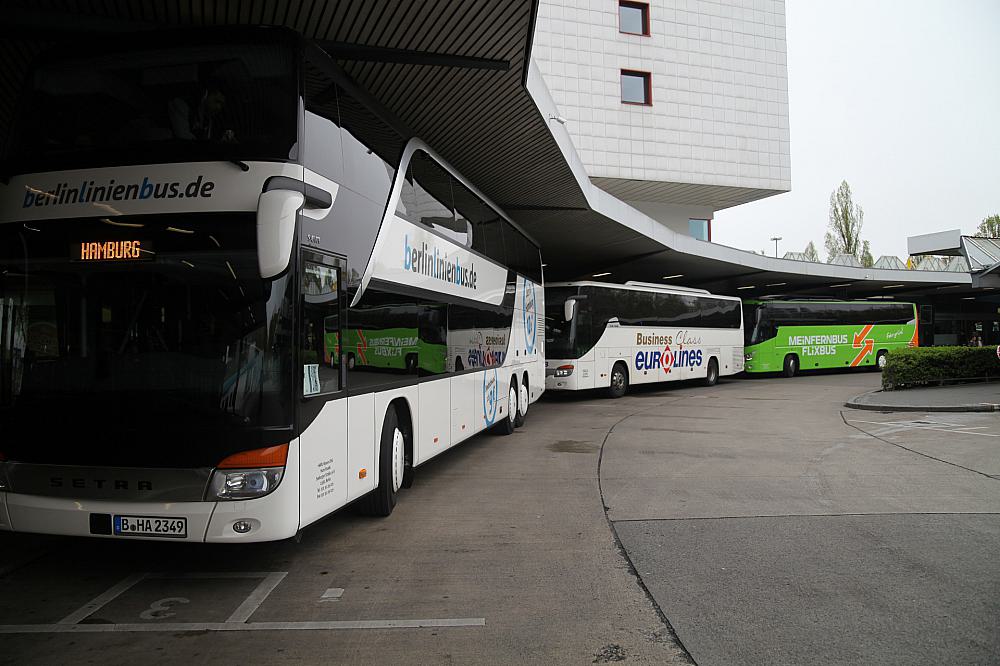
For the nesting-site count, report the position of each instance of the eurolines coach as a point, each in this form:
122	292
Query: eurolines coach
229	282
609	336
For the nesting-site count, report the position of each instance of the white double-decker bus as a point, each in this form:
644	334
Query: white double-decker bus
609	336
231	285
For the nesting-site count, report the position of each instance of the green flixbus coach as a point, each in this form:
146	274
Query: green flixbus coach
790	336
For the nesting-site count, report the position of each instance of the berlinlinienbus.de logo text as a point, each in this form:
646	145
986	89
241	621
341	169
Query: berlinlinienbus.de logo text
428	261
89	191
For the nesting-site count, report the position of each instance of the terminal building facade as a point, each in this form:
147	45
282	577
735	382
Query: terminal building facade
678	109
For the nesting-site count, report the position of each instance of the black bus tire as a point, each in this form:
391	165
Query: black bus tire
619	381
506	425
391	467
791	366
712	374
523	398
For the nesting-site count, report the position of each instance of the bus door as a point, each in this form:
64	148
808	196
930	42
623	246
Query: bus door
324	459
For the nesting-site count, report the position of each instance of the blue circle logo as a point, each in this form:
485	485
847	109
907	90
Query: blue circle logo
491	396
530	317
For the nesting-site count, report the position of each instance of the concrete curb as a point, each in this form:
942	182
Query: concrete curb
854	403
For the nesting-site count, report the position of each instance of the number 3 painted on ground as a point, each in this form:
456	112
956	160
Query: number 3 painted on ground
161	609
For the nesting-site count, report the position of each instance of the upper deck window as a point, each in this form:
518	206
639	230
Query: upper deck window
154	104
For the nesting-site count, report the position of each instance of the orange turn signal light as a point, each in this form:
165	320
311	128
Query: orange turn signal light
362	473
272	456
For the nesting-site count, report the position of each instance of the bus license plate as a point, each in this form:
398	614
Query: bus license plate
150	526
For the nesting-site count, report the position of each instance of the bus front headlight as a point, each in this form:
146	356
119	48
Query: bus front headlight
249	474
748	356
239	484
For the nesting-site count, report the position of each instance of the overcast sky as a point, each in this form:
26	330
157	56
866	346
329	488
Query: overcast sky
901	100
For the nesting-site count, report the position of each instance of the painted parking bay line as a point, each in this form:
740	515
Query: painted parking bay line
241	626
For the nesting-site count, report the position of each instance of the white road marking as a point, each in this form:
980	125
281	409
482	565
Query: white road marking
332	594
240	626
898	426
101	600
161	608
271	580
257	597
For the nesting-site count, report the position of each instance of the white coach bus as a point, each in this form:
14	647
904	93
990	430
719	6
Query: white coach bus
197	231
612	335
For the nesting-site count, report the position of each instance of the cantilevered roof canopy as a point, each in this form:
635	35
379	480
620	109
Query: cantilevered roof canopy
457	73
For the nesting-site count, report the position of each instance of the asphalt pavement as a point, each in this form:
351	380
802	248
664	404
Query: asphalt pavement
773	527
755	522
970	397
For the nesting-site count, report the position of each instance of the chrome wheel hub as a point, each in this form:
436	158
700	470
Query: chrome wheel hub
398	459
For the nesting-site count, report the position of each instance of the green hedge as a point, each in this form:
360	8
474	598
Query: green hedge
919	366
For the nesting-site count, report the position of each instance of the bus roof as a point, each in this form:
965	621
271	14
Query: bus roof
823	300
641	286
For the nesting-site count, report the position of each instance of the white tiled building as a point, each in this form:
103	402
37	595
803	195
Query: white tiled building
708	126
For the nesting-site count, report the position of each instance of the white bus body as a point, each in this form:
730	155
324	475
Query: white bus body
653	333
201	391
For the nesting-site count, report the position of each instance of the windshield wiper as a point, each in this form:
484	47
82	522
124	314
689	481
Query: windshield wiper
241	164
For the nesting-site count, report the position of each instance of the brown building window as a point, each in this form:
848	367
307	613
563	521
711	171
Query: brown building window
633	17
637	87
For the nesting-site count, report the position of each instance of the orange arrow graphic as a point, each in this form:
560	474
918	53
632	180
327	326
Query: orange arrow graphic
865	344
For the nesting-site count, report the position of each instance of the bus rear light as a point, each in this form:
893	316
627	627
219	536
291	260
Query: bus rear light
564	371
272	456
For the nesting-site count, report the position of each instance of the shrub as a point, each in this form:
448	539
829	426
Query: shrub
919	366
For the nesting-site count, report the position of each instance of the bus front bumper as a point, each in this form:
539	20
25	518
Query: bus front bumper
270	518
562	375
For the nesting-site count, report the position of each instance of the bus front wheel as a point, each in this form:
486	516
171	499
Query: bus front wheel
392	466
791	365
712	375
619	381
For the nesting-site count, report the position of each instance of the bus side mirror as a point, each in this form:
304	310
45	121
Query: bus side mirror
276	211
569	309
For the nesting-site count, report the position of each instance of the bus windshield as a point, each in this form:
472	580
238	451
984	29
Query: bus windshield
157	102
560	335
111	328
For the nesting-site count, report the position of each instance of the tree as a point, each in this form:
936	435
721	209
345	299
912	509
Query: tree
866	255
811	253
989	227
843	234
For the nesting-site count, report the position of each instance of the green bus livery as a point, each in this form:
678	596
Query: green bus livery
789	336
373	344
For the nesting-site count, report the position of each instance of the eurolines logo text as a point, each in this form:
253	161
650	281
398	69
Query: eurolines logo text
90	191
428	261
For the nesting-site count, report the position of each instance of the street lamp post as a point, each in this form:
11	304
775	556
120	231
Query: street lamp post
776	239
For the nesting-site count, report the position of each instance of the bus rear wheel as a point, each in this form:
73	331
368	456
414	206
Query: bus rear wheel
791	366
880	360
712	375
507	424
392	467
522	403
619	381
